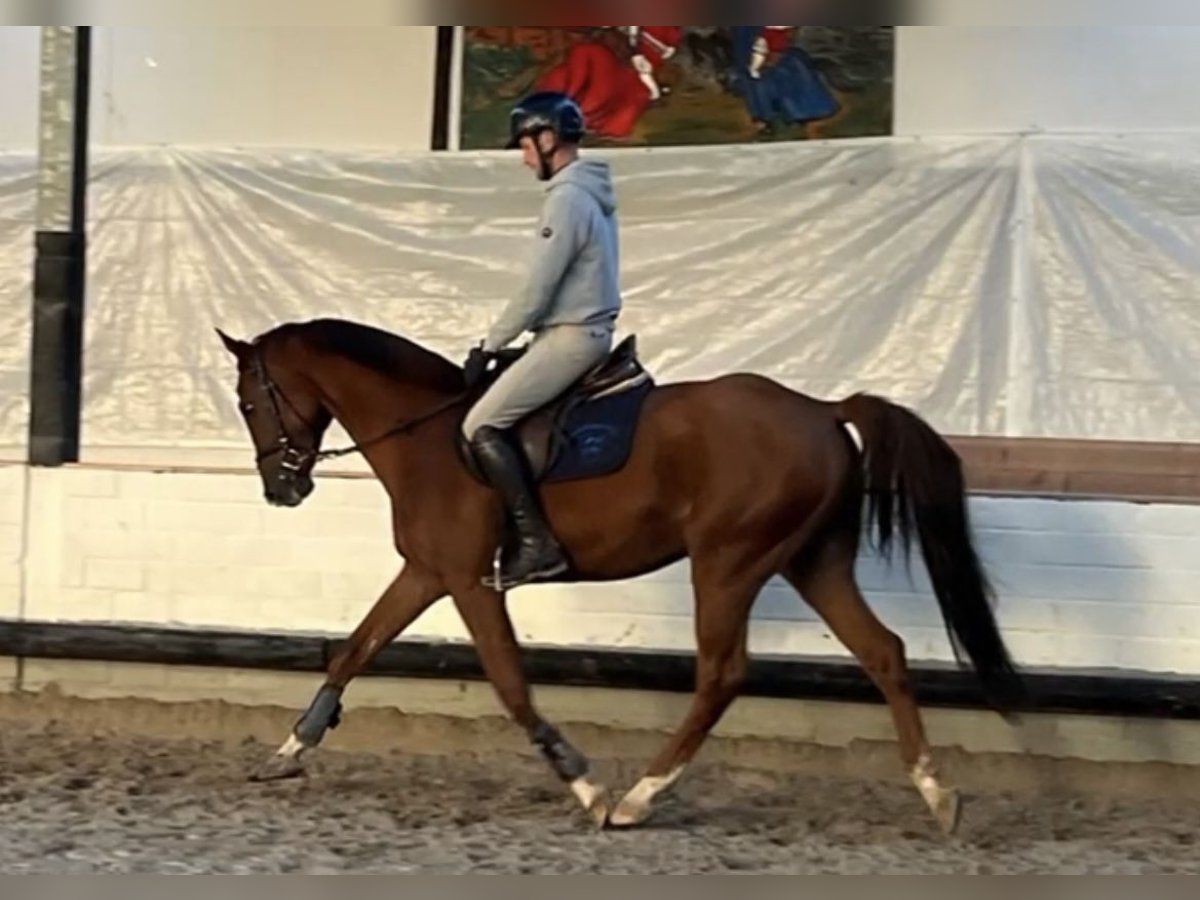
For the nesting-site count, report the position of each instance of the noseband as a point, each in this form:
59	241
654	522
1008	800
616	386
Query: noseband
294	457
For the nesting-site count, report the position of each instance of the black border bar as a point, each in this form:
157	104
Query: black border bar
1092	692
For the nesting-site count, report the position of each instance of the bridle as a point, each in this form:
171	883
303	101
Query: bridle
295	458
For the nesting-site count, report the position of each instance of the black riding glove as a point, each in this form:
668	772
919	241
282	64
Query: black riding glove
476	366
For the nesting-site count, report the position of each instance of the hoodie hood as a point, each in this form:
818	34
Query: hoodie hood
594	176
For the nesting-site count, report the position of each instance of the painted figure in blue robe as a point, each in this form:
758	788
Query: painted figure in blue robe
776	78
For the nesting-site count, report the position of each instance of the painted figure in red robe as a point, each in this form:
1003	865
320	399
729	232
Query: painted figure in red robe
615	88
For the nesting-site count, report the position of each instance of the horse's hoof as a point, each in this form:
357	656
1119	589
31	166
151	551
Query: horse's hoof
942	802
949	812
595	800
600	809
278	768
629	814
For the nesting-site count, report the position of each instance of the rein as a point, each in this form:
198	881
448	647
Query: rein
295	457
400	428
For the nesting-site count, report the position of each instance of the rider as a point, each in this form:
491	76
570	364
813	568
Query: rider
570	301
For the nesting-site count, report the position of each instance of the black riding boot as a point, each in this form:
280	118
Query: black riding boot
539	555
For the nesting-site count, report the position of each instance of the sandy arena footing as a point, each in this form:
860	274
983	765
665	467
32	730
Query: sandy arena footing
139	786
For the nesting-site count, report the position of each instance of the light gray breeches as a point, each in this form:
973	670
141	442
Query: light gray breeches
557	357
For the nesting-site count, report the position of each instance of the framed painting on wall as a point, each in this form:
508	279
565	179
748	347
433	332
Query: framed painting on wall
648	85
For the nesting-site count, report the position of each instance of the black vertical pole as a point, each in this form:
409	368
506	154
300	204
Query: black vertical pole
443	78
60	266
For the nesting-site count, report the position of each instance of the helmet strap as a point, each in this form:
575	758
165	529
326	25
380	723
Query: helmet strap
544	157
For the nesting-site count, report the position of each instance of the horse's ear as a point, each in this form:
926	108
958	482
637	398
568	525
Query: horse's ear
233	345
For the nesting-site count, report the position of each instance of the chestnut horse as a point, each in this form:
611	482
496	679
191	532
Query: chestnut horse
742	476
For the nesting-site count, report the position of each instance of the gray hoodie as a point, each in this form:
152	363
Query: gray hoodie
574	278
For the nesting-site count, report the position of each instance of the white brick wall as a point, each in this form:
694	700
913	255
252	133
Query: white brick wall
1092	584
12	518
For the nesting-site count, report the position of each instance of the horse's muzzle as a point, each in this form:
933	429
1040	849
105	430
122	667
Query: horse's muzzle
289	492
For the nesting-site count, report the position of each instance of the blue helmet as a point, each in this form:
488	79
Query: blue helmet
551	110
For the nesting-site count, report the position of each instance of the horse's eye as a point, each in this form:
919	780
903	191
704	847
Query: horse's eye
246	408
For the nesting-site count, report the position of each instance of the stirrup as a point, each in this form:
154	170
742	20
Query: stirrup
497	571
497	582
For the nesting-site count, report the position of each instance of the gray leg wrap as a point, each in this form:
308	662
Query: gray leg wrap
323	713
568	762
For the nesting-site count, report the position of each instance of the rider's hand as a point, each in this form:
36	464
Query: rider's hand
476	366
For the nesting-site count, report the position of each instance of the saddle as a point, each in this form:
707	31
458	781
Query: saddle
586	431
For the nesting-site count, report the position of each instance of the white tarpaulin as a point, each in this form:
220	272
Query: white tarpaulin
18	198
1040	286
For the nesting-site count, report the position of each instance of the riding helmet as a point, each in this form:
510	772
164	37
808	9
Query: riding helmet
546	110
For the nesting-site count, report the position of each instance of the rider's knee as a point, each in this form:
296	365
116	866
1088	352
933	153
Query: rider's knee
469	424
475	426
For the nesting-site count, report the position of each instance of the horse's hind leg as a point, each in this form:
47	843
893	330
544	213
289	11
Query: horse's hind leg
825	578
723	602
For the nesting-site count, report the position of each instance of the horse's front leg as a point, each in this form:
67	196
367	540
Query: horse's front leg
412	592
484	613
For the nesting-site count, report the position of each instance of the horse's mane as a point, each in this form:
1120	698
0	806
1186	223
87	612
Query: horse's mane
376	349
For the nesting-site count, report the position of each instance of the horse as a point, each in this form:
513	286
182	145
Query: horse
739	474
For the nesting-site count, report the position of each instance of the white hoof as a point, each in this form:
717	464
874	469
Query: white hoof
942	802
948	811
629	813
594	799
638	804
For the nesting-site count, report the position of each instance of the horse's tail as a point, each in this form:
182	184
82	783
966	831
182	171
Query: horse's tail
914	479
